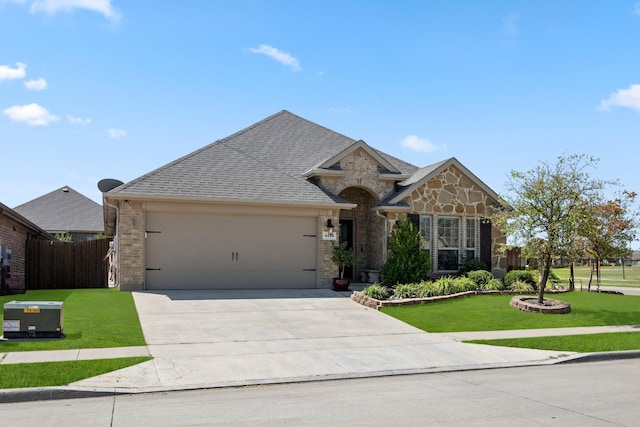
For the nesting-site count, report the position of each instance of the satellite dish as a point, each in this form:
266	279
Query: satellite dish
108	184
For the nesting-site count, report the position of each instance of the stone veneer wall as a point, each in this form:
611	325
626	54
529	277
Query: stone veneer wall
361	171
451	193
368	229
131	256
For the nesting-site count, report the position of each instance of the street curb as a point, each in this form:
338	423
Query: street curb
601	357
19	395
68	392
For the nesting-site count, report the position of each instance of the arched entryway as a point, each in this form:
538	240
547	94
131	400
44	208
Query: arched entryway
363	230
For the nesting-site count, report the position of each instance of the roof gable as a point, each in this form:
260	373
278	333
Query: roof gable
423	175
329	164
63	210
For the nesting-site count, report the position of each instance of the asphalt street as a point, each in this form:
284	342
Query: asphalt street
580	394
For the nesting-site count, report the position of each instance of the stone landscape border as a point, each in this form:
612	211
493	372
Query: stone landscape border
530	304
377	304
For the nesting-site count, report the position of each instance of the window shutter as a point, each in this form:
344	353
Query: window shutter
485	242
415	220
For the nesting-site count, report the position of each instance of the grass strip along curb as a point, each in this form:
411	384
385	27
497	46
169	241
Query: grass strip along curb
584	343
49	374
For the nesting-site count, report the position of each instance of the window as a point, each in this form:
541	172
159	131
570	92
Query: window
448	243
471	238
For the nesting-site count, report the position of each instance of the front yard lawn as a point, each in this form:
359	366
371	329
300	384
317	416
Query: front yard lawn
93	318
493	313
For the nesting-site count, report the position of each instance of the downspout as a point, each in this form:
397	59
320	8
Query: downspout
116	241
384	240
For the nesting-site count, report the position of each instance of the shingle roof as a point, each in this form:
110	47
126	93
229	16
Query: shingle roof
64	210
264	162
6	211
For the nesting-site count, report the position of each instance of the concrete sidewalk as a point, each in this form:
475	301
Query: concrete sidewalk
208	339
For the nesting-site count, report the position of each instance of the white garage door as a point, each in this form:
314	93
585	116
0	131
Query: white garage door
202	251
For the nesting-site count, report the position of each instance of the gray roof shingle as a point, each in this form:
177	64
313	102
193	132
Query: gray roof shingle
64	210
264	162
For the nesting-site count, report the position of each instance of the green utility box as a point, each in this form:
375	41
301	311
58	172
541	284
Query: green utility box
33	319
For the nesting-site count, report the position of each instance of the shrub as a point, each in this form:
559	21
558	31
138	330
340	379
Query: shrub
480	277
553	278
427	289
472	264
454	285
406	263
466	284
377	291
526	276
522	286
494	285
406	291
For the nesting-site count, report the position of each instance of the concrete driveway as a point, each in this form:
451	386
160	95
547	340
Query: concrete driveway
202	339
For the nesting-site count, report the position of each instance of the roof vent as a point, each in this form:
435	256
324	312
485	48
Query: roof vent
65	189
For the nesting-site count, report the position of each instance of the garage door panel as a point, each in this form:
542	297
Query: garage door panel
199	251
228	279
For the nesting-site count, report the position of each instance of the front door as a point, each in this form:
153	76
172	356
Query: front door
346	235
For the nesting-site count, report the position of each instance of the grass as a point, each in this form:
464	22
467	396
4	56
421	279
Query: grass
586	343
493	313
610	276
49	374
93	318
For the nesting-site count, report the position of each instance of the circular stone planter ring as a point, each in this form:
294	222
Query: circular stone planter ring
548	306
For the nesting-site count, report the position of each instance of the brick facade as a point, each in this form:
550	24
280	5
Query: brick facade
131	245
14	235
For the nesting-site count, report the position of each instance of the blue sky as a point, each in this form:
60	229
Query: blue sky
91	89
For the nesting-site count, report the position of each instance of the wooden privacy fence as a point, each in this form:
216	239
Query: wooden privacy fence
61	265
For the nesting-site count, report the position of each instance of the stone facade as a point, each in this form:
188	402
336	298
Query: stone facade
360	170
450	193
360	184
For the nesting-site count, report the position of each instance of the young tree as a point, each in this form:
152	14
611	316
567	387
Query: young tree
609	227
547	208
406	263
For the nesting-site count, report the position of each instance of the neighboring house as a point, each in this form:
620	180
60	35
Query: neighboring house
15	230
256	210
65	211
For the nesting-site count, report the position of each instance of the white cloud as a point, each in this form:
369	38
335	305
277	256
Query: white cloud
415	143
32	114
117	133
78	120
52	7
7	73
636	9
39	84
510	24
340	110
628	98
281	57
